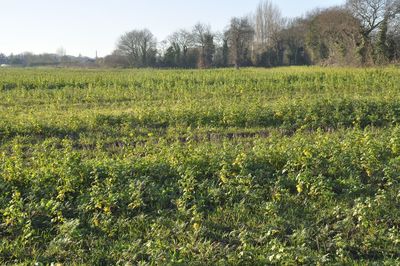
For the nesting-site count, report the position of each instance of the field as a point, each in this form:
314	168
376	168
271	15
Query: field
206	167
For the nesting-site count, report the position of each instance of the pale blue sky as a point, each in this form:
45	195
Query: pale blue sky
84	26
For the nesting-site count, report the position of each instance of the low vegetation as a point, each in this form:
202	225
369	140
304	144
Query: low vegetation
280	166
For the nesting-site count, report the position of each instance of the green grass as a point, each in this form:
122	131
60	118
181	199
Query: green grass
280	166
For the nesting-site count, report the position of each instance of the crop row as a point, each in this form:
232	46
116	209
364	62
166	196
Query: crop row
282	199
295	166
282	80
291	116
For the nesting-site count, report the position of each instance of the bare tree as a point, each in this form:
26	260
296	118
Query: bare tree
139	46
204	39
375	17
268	22
240	36
221	56
183	38
180	42
372	13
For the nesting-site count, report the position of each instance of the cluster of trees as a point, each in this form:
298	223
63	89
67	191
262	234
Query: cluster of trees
361	32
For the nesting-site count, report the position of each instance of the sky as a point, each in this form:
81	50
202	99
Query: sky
86	26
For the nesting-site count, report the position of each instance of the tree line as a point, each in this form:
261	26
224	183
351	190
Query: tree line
359	33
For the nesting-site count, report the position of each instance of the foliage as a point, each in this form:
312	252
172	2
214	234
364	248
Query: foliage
281	166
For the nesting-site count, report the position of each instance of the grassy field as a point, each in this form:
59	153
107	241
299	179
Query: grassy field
252	167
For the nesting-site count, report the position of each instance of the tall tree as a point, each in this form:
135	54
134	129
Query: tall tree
221	55
179	44
334	37
393	39
204	39
294	40
372	14
240	36
268	22
139	46
382	46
